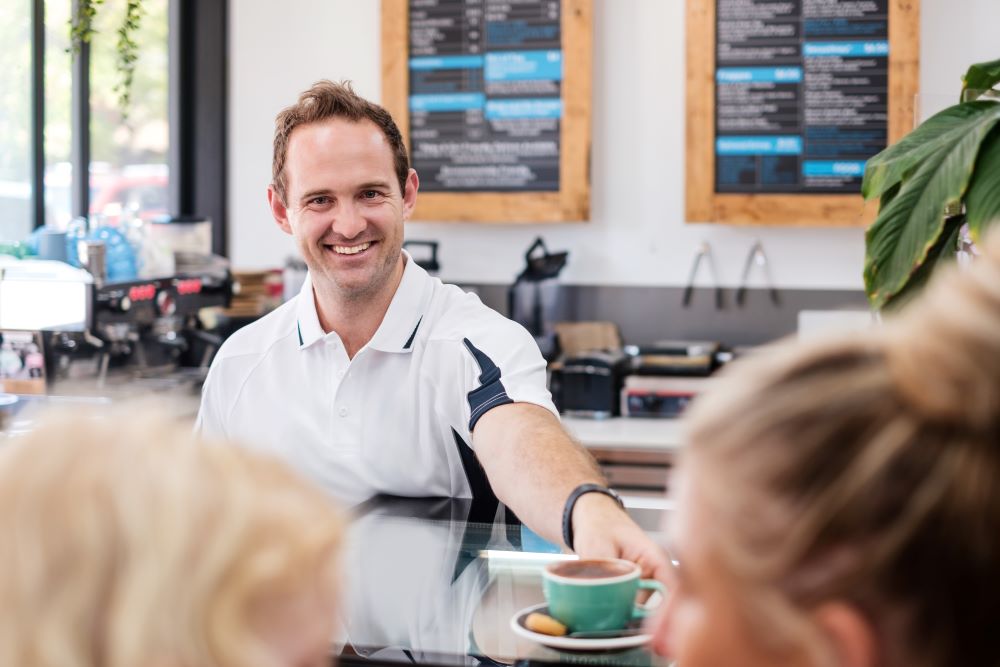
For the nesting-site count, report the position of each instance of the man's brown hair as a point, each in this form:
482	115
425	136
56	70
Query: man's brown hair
325	100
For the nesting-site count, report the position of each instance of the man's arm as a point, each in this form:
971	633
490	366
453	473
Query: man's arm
533	465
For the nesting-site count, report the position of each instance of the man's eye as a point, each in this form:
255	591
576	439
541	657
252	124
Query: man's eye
319	201
371	194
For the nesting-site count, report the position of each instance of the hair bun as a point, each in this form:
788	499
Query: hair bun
944	349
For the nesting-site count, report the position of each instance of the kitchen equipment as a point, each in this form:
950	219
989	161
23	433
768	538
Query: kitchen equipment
150	324
39	294
674	357
183	233
51	244
589	384
757	258
535	299
92	257
293	276
704	254
425	254
659	396
577	337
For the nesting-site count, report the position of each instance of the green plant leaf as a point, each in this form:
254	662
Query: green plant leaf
888	196
982	76
945	128
982	200
941	253
899	241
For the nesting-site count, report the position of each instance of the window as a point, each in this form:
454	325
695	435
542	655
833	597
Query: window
131	161
129	175
58	129
15	120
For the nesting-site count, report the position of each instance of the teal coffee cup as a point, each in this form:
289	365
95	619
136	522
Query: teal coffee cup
595	594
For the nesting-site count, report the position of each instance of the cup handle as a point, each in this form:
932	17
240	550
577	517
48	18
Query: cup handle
642	611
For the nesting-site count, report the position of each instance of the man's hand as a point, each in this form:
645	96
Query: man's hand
601	529
533	466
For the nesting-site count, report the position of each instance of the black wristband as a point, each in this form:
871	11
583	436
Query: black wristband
567	519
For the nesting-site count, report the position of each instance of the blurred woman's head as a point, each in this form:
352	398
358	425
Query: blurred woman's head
839	502
126	542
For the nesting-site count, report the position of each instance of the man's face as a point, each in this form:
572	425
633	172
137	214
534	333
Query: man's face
344	207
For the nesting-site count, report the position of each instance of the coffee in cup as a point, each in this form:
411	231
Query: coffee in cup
595	594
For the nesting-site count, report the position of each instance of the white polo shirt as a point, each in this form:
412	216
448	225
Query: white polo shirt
398	417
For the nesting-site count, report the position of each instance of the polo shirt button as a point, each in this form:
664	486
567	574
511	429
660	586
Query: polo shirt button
341	373
343	412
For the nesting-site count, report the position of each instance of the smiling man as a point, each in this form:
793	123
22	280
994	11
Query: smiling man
378	378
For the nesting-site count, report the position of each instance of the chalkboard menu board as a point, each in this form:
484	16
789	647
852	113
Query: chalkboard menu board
799	94
494	97
485	96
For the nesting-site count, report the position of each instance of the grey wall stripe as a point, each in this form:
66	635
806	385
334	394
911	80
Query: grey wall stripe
648	314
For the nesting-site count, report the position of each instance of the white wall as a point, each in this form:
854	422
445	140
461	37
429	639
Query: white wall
637	234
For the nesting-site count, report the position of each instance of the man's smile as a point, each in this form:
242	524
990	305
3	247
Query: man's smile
349	249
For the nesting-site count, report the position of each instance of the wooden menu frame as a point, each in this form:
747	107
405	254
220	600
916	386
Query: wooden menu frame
572	201
703	204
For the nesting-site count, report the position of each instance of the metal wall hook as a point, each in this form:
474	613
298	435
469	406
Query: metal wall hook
757	257
704	252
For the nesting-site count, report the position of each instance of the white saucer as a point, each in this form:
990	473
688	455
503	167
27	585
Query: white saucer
7	399
573	643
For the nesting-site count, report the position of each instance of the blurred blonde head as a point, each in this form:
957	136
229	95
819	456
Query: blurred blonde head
127	542
867	470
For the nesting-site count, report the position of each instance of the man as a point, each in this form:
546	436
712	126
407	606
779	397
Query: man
378	378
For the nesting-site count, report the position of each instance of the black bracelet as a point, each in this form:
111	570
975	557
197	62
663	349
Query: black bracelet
567	519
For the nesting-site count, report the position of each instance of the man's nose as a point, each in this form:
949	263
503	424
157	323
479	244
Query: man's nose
348	221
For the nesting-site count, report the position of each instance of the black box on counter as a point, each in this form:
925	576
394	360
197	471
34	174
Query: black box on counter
589	384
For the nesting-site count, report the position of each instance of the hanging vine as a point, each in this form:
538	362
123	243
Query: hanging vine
128	52
81	30
81	24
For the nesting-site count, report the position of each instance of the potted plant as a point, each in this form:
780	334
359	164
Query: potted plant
941	178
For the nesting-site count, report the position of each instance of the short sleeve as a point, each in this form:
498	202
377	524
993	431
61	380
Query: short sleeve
501	364
210	422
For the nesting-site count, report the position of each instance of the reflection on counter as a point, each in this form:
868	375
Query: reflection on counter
438	581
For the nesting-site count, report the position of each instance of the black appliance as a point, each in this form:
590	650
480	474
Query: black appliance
535	298
149	324
589	384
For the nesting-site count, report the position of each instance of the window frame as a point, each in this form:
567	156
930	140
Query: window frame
197	115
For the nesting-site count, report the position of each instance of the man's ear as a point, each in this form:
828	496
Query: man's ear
278	209
410	194
850	636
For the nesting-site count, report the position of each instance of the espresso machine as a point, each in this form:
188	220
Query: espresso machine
147	327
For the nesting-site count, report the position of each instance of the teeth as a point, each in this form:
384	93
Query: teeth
350	249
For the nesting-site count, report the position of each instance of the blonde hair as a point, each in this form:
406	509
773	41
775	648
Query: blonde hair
125	541
867	469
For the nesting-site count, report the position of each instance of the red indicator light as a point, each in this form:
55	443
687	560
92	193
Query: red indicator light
190	286
142	292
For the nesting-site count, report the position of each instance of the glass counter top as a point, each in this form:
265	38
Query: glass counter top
437	581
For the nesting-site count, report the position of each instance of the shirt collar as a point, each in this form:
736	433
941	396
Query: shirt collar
400	324
307	317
